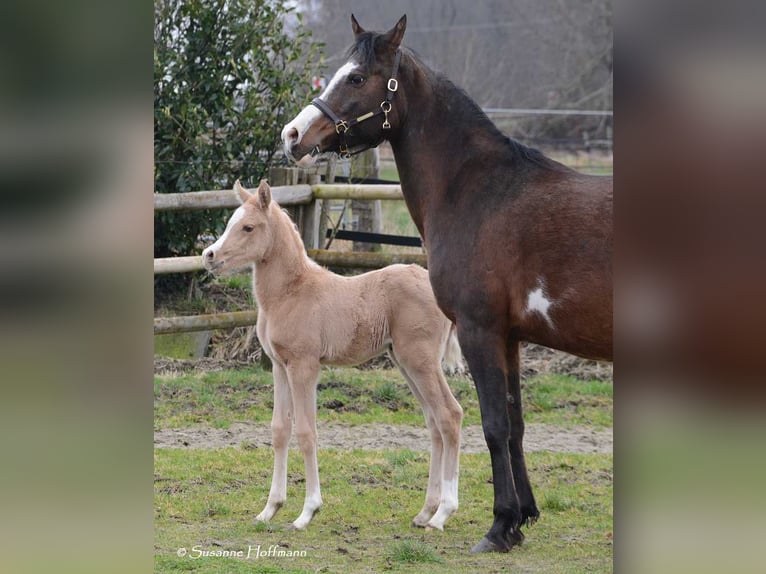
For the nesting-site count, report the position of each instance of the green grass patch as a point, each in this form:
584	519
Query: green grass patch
412	552
207	499
355	397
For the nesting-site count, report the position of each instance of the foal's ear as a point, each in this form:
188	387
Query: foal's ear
264	194
244	195
356	27
394	35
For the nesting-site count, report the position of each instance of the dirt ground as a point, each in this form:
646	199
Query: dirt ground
537	437
535	360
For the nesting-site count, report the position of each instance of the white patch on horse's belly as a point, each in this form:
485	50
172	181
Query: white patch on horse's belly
537	302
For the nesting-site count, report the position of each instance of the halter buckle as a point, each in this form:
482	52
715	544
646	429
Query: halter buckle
341	127
386	107
393	85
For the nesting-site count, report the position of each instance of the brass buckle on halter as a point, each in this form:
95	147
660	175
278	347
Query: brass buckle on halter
386	107
341	124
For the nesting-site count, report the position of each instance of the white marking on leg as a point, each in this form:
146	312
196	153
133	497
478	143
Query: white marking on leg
537	302
447	506
433	491
307	444
281	429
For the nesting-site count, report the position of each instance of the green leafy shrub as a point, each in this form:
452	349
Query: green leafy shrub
228	74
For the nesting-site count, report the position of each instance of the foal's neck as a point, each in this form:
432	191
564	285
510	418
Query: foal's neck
283	264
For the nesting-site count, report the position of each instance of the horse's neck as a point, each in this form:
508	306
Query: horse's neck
283	265
432	147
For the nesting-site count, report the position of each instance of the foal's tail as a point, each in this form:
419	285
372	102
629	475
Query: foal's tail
452	356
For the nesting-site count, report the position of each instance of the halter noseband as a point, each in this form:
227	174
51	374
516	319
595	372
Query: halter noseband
342	126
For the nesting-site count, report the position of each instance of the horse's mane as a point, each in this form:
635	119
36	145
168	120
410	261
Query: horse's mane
449	96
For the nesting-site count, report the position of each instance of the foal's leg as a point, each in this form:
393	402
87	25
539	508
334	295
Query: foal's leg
422	367
281	428
485	352
303	377
433	491
529	511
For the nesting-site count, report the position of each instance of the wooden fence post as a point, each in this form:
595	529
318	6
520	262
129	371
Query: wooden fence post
367	214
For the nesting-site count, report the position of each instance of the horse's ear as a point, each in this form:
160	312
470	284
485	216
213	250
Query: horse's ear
356	27
394	35
244	195
264	194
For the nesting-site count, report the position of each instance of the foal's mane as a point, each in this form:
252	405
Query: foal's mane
292	235
462	107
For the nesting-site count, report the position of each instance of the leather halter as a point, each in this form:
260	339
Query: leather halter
342	126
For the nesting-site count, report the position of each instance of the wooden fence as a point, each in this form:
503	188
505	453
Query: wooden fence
307	198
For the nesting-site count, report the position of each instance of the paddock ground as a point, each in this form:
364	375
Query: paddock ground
213	467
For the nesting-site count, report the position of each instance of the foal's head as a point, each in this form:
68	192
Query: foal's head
248	235
360	87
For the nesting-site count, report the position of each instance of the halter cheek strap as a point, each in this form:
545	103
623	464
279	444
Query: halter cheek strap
342	126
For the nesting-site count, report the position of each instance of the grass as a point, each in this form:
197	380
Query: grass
206	499
356	396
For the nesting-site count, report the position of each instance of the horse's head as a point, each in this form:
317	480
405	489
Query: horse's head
248	233
361	105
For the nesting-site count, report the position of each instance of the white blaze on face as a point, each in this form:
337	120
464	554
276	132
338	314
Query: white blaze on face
537	302
235	218
308	115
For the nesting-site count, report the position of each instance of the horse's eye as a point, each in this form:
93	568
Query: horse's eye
248	228
357	79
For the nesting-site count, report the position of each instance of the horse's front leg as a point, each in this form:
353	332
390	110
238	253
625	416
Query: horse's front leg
485	351
281	429
303	377
529	511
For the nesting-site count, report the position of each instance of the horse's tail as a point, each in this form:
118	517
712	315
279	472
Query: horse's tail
452	357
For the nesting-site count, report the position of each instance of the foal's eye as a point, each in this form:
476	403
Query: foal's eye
357	79
248	228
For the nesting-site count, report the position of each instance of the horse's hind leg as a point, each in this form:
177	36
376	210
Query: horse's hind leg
422	369
303	377
281	428
529	511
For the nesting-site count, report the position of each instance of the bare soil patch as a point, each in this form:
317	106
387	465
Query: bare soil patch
537	437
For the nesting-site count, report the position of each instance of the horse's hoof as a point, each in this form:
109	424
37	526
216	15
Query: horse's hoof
485	545
515	538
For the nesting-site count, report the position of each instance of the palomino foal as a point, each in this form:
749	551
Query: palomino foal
308	316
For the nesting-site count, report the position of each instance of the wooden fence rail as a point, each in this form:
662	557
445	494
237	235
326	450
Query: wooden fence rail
345	259
285	195
165	325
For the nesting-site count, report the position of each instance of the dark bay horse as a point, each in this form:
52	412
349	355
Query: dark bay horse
519	246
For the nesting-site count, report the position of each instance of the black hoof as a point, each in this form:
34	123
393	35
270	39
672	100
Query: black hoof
515	538
485	545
